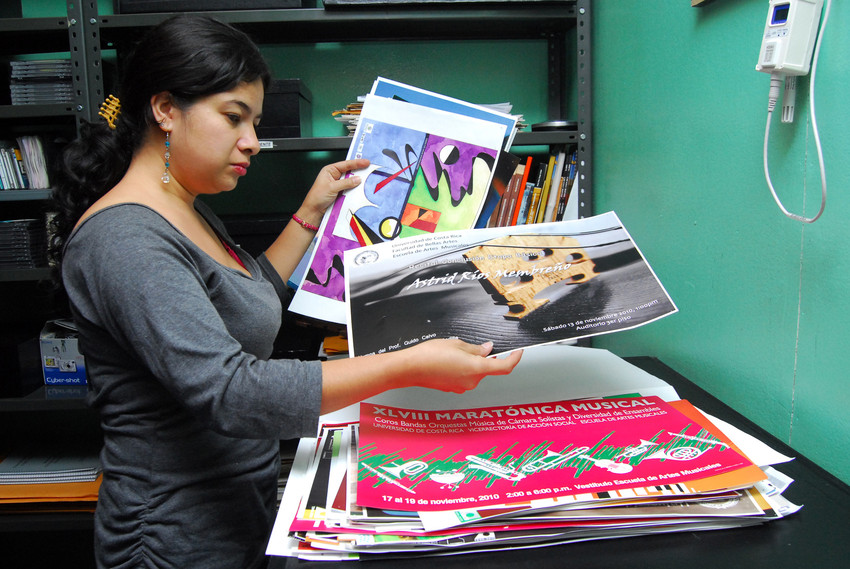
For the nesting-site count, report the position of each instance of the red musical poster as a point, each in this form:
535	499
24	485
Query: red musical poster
426	460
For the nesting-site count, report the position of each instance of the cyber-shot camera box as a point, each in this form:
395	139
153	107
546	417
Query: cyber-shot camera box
61	360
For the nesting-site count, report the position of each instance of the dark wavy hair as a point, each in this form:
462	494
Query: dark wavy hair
190	56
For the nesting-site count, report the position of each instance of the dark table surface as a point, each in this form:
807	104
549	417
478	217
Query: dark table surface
817	536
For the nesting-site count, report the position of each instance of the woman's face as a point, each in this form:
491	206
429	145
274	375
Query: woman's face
212	141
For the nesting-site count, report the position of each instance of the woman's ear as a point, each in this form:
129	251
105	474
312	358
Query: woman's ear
163	109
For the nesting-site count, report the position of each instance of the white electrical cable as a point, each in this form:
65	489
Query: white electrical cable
775	83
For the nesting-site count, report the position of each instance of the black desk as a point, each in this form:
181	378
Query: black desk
817	536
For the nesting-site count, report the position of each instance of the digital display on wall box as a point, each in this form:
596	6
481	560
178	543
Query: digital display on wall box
780	14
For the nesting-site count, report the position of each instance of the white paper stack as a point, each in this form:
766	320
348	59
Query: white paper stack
49	464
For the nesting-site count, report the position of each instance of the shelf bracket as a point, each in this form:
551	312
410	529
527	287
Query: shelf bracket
584	153
86	63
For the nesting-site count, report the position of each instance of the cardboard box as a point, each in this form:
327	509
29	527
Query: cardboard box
61	360
287	111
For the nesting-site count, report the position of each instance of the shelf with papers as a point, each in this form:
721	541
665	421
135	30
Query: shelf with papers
343	142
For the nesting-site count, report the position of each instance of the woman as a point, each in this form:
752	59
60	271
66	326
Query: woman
177	322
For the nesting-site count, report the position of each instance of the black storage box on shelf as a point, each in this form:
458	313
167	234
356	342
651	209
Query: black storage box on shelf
286	110
146	6
10	9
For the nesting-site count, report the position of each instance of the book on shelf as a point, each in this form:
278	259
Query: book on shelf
540	215
554	185
506	204
568	180
23	164
502	176
521	193
536	195
11	176
537	192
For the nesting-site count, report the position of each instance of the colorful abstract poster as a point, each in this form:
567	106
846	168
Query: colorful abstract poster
427	460
517	286
430	171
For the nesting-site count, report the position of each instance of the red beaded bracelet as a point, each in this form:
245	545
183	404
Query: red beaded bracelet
303	223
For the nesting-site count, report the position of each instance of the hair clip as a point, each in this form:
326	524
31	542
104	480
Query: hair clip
110	109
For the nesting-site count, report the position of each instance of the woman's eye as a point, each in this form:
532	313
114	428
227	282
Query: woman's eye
234	118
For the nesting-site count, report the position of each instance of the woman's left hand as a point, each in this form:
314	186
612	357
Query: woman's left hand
329	183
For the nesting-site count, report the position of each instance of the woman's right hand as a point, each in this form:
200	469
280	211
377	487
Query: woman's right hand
454	365
446	365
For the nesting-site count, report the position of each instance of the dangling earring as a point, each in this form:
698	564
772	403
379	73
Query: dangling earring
166	176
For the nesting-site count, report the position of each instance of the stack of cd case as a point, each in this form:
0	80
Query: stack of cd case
41	82
23	244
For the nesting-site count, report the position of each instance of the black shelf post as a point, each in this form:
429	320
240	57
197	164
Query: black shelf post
585	107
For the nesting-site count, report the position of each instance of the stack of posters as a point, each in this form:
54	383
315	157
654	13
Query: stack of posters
432	160
33	154
440	480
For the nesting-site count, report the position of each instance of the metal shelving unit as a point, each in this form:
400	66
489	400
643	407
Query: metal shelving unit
29	417
23	36
85	35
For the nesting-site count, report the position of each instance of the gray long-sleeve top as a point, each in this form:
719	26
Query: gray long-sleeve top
176	348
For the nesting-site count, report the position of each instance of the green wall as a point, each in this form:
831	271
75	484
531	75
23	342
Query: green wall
679	120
